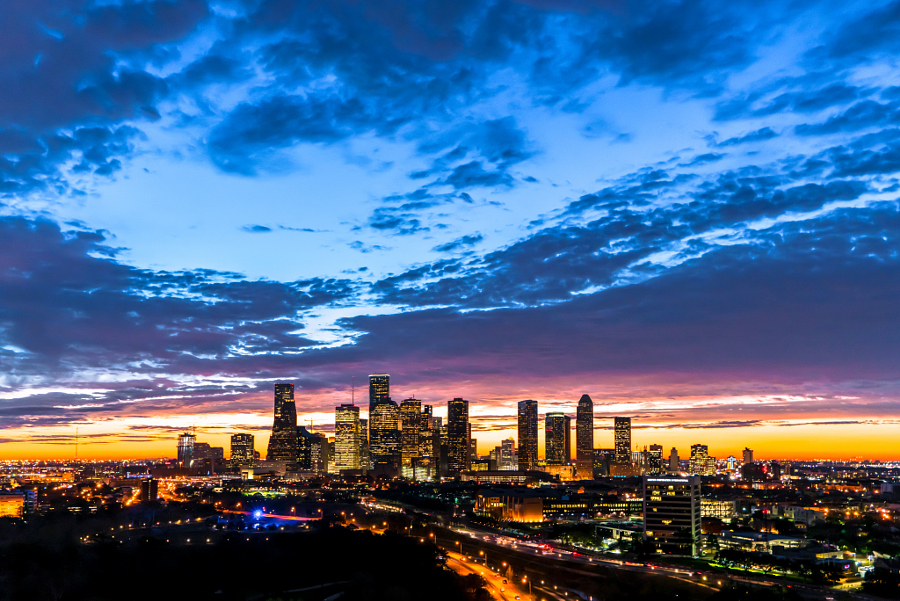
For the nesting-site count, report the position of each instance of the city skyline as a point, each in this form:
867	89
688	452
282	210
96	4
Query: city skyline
686	210
622	443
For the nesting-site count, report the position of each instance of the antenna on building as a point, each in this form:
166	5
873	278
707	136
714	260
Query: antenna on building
352	390
76	444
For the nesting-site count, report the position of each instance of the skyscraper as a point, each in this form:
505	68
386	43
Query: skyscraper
584	439
379	391
557	439
655	460
622	435
672	514
186	449
364	461
429	447
305	442
748	455
241	450
674	461
528	434
283	442
507	460
346	437
384	435
457	436
411	419
701	463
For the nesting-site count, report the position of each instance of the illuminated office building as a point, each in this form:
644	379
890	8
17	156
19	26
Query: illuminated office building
528	435
365	462
149	490
207	459
346	437
384	435
411	419
654	465
283	441
701	463
305	442
508	460
428	463
584	439
557	439
186	443
242	450
457	436
672	514
622	434
379	391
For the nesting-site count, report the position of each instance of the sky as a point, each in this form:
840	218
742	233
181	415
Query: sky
688	210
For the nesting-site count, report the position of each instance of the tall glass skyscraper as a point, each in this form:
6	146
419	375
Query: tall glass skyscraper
584	439
410	430
384	434
622	433
557	439
384	423
186	443
346	437
458	436
528	434
283	441
379	390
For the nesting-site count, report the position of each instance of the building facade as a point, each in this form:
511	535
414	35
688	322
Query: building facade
346	437
457	436
701	464
186	443
283	441
655	465
748	455
672	514
557	439
411	419
584	438
242	447
528	435
622	437
384	435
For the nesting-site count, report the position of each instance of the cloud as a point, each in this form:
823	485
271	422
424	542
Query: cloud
459	243
861	115
257	229
759	135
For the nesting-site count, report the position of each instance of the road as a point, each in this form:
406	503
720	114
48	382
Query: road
471	541
495	582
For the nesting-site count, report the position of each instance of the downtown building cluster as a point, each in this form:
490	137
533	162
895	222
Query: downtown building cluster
408	440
